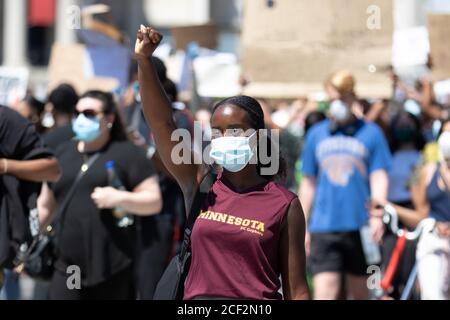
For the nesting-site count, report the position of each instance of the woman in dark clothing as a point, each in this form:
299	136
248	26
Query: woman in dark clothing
91	238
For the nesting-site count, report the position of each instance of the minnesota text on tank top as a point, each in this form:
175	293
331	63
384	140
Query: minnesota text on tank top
235	243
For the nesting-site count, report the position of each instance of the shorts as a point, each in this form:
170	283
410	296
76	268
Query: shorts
337	252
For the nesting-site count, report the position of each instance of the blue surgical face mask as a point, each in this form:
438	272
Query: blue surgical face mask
233	153
86	129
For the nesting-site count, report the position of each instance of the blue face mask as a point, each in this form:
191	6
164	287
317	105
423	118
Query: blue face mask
86	129
233	153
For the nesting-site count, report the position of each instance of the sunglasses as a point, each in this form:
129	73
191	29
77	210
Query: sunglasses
88	113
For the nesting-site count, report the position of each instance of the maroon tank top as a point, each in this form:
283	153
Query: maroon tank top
236	243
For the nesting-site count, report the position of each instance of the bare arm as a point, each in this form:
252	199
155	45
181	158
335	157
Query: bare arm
46	205
293	258
379	183
375	110
306	193
158	111
426	102
144	200
39	170
419	191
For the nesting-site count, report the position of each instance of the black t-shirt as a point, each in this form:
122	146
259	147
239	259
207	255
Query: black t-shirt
57	137
18	136
89	237
19	141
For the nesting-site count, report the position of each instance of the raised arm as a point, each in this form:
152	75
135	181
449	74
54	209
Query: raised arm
428	107
158	112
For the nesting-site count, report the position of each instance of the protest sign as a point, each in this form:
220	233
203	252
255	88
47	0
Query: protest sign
298	43
13	85
438	28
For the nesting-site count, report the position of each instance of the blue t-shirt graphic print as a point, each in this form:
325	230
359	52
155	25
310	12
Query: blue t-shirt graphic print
342	165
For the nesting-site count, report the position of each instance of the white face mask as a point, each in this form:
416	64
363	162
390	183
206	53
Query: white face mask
233	153
444	145
48	121
413	107
340	111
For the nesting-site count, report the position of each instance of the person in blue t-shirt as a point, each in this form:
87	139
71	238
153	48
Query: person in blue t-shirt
345	164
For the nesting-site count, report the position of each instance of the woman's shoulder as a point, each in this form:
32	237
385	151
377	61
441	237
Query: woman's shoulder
285	194
427	172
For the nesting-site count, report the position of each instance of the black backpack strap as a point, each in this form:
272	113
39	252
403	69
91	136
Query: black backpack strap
22	256
62	207
196	206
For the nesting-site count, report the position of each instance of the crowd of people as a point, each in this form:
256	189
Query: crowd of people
99	169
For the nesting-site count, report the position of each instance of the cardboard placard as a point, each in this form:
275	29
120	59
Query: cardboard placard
439	34
205	35
301	42
69	64
411	47
217	75
13	85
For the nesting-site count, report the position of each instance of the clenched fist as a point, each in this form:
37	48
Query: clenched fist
147	40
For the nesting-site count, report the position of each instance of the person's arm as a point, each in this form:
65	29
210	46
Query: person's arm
46	205
410	217
158	112
293	258
426	101
379	183
39	170
379	162
307	193
375	111
144	200
307	189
